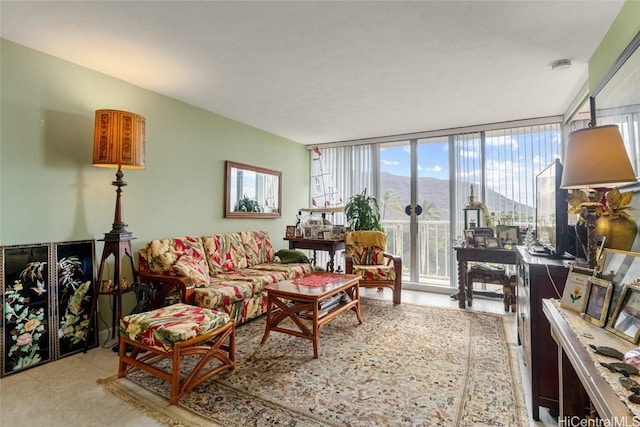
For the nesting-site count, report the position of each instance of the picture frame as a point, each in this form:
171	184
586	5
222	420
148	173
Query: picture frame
483	231
290	232
491	243
27	306
508	235
625	321
469	238
326	235
619	268
75	287
338	232
598	299
480	241
574	296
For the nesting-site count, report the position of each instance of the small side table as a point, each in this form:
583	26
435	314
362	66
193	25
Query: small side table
465	255
330	246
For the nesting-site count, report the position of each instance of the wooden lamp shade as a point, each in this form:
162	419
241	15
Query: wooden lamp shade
119	139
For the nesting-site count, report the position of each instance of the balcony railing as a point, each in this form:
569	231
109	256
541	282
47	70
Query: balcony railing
434	246
434	249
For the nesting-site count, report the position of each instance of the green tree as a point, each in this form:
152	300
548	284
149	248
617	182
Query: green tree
390	200
430	211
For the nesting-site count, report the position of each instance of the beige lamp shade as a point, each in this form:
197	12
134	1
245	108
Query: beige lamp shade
119	139
596	157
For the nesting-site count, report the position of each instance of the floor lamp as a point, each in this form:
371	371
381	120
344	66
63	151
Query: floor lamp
119	140
595	159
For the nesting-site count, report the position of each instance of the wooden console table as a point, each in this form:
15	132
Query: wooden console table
330	246
464	255
581	378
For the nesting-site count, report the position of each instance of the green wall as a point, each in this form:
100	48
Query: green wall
50	192
623	29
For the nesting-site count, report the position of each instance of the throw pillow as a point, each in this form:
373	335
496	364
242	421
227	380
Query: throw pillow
288	256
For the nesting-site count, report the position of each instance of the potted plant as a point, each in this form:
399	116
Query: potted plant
247	205
362	212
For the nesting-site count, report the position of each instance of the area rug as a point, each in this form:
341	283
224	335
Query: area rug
406	365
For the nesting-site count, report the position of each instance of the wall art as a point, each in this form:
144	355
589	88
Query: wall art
27	306
75	266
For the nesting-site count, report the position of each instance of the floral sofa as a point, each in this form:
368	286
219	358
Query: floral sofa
226	272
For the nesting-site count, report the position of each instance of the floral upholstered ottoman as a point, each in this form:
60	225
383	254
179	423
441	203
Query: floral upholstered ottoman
172	331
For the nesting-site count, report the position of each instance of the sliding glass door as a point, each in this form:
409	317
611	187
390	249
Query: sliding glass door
415	205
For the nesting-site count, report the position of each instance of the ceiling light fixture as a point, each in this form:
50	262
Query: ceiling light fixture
562	64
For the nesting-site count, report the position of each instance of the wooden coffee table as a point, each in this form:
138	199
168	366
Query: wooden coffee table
300	303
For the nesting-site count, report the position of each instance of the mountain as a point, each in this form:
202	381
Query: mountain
437	191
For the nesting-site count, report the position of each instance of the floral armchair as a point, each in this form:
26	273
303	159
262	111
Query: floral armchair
365	255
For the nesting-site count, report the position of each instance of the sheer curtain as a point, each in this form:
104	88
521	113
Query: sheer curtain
502	166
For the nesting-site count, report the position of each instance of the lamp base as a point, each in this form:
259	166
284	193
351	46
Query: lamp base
591	213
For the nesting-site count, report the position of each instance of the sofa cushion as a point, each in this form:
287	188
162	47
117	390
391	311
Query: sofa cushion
258	247
193	269
224	252
258	278
222	292
161	255
240	311
375	272
291	271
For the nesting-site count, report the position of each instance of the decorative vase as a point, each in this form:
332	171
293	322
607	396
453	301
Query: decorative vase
619	232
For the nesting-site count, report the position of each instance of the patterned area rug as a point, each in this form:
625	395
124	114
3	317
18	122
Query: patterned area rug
405	365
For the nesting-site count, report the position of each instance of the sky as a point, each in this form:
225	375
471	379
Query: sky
433	160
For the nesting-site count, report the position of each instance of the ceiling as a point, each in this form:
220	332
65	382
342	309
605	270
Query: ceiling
320	71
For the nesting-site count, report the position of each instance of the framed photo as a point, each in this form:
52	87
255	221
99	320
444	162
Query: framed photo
469	238
508	234
27	306
338	232
619	268
480	240
598	301
491	243
574	296
291	232
326	235
75	280
483	231
625	321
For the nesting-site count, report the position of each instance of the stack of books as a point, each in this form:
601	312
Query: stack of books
325	306
330	302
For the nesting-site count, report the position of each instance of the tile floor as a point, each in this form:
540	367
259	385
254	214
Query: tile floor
65	393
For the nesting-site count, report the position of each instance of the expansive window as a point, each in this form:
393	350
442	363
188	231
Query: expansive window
501	165
437	173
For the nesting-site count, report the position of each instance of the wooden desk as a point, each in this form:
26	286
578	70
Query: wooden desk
581	377
464	255
330	246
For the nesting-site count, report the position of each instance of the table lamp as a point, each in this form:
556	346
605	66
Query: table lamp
595	158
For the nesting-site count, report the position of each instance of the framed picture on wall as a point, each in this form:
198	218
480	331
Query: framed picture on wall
75	279
27	301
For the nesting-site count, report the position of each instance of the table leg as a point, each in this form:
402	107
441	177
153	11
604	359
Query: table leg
462	281
330	264
267	328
